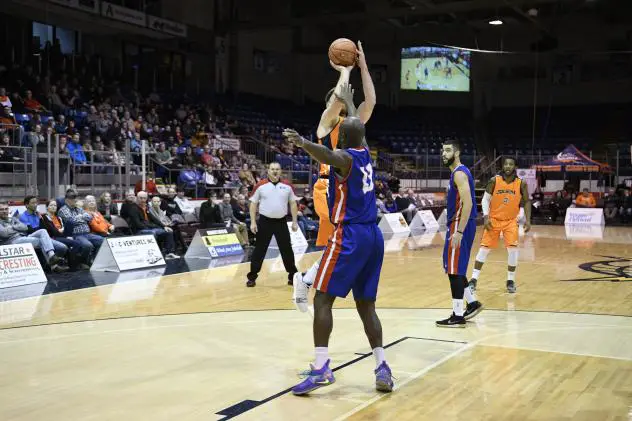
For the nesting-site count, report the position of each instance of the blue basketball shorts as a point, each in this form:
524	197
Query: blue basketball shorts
352	261
455	260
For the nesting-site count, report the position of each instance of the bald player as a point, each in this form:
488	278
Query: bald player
353	258
504	196
327	133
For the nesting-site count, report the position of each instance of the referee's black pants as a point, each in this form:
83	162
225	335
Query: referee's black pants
266	228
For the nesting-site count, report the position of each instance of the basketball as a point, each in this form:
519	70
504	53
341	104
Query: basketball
343	52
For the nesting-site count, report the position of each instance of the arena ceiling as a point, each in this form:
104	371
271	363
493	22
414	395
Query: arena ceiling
257	14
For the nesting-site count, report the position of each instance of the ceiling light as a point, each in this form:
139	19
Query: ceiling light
496	22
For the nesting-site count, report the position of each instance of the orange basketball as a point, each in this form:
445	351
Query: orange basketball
343	52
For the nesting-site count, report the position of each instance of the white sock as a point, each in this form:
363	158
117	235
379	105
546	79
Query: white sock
322	355
457	306
511	276
310	275
476	273
469	296
378	353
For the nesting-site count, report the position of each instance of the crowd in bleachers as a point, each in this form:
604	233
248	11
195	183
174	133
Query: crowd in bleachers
98	122
616	203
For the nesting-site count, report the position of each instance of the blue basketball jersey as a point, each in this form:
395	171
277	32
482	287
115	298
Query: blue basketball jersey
352	200
454	200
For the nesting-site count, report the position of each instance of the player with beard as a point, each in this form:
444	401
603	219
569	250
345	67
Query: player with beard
504	196
459	238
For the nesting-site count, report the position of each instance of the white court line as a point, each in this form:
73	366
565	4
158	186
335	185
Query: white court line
408	380
497	261
287	320
577	354
453	354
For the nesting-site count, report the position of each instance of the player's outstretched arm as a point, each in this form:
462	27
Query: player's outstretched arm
366	107
525	203
338	158
332	111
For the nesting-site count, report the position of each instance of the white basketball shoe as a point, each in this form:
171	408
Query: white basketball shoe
301	291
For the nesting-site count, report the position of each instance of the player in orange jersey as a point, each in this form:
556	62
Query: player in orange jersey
504	196
327	133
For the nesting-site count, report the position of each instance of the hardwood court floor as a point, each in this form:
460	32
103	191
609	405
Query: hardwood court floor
200	346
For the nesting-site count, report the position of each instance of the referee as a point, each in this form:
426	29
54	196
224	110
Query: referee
273	196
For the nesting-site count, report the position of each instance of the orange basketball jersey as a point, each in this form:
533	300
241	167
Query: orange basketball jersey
330	141
506	198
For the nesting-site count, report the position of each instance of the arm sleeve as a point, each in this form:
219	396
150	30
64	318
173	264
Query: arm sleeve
487	198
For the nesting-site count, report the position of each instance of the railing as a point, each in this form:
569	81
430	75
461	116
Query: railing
15	132
429	166
265	153
16	169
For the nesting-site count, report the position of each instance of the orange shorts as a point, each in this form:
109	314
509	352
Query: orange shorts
508	228
326	228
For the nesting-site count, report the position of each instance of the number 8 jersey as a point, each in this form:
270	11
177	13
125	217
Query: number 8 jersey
352	199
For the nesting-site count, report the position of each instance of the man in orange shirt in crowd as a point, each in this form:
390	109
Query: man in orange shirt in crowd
585	200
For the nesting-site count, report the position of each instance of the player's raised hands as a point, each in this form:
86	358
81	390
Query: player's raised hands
345	94
293	136
341	68
361	58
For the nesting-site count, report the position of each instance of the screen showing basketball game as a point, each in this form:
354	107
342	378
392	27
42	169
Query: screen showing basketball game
435	69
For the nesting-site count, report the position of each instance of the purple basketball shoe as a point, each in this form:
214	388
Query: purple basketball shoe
315	379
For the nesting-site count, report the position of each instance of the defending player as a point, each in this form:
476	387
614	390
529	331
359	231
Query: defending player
354	254
459	238
328	132
504	196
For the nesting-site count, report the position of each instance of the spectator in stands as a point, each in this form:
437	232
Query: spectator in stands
36	137
611	205
240	210
78	254
390	204
189	159
558	205
210	216
76	151
585	200
222	159
5	101
304	223
170	206
211	180
107	207
98	225
406	205
246	177
7	117
31	218
31	104
8	154
138	220
381	208
183	202
12	231
77	221
61	125
159	217
228	217
206	158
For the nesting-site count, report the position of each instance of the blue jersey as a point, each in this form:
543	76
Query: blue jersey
455	206
352	200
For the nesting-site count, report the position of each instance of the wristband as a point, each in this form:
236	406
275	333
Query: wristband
460	232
